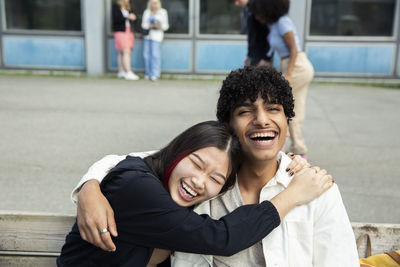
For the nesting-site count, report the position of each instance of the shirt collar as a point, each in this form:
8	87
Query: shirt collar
281	176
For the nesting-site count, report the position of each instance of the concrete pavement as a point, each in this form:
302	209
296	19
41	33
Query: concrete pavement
54	128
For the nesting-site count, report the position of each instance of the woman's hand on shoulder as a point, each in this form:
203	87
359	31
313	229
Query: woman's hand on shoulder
94	213
309	183
297	164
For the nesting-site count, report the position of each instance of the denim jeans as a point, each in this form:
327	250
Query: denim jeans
152	58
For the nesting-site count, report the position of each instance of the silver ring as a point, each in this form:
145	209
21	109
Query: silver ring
102	231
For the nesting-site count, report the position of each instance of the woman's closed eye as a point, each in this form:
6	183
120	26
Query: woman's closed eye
217	180
197	163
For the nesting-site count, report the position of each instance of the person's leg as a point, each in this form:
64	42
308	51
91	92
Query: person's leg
118	43
121	71
156	62
126	59
301	77
146	57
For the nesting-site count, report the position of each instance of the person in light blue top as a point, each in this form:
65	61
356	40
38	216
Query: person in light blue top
277	30
295	65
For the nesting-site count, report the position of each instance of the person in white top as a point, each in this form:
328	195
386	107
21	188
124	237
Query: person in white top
257	103
154	23
315	234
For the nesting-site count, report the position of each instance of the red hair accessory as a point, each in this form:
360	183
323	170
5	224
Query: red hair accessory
171	167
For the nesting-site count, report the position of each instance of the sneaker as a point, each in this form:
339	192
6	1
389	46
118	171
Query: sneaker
146	77
121	74
131	76
153	78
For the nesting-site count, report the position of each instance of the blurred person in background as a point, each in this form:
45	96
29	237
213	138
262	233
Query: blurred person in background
154	23
257	43
123	37
294	64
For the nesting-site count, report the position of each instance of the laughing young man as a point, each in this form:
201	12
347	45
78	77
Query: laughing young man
258	104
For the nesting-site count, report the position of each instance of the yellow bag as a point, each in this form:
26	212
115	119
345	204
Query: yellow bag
388	259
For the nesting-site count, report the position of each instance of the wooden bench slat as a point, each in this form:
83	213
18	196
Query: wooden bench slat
11	261
31	232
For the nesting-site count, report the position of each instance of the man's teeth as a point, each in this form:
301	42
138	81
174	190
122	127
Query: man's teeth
188	191
263	136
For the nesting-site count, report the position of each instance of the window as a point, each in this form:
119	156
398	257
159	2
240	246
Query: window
352	17
178	15
62	15
219	17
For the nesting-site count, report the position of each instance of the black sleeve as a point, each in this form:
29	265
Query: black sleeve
118	19
146	215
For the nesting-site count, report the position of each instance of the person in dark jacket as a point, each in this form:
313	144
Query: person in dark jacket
124	39
151	198
257	43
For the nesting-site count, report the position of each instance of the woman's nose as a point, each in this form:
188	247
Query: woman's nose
198	181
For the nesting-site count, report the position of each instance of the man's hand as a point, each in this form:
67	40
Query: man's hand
94	214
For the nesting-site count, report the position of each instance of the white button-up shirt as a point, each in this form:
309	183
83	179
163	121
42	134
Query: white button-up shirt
316	234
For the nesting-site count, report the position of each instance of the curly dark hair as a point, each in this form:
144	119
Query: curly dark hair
247	83
269	10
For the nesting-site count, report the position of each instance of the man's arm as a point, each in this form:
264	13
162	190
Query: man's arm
97	172
100	169
334	241
93	211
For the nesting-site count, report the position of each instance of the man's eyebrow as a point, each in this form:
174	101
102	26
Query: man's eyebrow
244	104
203	162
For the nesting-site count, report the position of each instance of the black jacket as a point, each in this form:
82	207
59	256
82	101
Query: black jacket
147	217
257	43
118	20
